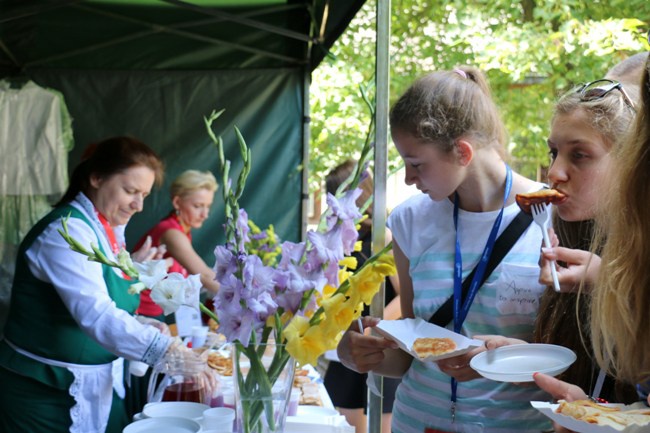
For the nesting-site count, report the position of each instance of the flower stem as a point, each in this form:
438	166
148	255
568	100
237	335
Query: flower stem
209	312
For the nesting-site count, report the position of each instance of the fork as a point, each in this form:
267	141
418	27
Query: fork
542	216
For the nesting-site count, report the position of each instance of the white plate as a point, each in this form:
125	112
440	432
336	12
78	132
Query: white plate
518	362
406	331
578	426
166	424
179	409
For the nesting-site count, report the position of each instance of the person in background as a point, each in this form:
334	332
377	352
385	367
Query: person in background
346	387
621	296
69	317
448	131
587	126
192	194
629	71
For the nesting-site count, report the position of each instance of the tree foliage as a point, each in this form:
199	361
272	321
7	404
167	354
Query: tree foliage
532	51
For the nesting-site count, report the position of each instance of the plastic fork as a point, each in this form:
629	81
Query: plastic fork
542	216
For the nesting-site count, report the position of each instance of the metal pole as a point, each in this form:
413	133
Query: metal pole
382	75
305	153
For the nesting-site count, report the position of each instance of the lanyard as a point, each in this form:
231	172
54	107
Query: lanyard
109	232
461	309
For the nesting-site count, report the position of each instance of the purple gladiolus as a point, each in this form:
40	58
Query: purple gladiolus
345	207
242	229
349	236
327	246
225	264
238	326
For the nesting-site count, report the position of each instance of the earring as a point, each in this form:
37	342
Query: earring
178	212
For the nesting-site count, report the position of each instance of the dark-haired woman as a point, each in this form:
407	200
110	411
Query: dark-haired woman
70	318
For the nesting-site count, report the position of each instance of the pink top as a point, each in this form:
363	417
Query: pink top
147	306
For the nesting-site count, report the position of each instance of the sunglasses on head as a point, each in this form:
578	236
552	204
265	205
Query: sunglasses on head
600	88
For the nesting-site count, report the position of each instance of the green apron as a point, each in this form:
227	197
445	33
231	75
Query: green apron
35	395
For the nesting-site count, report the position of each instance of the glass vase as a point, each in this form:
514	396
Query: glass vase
263	378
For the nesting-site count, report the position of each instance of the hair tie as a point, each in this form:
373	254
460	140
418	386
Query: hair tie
460	72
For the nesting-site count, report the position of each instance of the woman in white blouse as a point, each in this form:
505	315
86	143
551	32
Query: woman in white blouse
70	318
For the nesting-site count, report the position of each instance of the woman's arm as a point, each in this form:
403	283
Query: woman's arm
81	286
180	248
405	283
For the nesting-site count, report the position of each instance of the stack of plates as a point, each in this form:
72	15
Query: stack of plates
163	424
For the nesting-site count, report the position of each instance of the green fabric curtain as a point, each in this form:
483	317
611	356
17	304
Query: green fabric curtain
165	109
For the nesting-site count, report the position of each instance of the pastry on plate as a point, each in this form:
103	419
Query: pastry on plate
429	346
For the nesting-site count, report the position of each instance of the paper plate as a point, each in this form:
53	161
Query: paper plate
179	409
163	424
578	426
517	363
406	331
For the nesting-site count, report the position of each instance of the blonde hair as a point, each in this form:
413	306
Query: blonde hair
620	316
609	115
443	106
191	181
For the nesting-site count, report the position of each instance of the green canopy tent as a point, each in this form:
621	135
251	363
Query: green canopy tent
154	68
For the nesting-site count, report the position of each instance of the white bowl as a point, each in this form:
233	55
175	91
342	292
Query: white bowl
179	409
165	424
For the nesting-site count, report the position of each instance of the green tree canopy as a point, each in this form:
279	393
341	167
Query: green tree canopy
531	52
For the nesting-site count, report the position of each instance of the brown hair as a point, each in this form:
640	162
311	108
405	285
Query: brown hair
109	157
446	105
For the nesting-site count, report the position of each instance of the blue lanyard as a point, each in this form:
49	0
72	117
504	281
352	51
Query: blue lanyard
461	310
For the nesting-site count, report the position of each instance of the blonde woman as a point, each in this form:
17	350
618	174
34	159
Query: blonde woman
589	123
192	194
621	304
621	297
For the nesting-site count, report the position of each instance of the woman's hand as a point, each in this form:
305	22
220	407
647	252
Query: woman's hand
580	265
147	252
458	366
161	326
362	353
559	390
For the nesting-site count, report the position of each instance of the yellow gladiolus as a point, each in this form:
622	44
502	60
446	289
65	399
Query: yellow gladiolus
305	343
328	291
349	262
338	313
365	284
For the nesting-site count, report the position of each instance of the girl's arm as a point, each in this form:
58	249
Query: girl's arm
180	248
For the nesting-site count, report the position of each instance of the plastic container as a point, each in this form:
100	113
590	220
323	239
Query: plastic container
294	401
219	418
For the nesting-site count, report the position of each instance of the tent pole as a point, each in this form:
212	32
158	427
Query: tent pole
306	137
382	74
